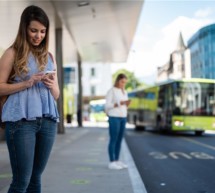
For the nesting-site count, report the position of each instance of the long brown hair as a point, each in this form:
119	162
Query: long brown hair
118	78
21	45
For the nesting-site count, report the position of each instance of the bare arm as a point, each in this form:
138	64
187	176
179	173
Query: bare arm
6	65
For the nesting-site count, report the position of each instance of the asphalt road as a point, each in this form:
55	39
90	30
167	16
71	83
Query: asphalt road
174	163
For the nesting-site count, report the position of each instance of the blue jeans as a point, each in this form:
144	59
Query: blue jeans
116	132
29	144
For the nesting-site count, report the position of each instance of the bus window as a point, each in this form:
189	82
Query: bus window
132	95
150	95
192	98
140	94
161	97
165	100
177	100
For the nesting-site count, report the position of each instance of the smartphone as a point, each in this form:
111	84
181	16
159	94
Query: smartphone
128	101
50	72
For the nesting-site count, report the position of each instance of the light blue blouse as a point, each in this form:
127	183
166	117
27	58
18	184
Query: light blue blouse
31	103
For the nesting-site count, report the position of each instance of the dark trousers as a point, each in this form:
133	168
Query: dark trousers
29	144
116	132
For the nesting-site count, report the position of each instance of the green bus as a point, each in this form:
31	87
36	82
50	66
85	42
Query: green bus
97	112
175	105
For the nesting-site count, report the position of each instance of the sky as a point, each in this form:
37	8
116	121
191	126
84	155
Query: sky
157	33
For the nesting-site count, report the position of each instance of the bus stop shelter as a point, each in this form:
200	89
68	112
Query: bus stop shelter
96	31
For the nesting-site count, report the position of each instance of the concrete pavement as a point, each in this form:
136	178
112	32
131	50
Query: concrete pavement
79	164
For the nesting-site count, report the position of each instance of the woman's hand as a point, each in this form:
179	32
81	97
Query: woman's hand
127	102
49	80
34	79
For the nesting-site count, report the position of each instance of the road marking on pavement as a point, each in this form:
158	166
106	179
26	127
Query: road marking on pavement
175	155
199	143
80	182
178	155
84	169
2	176
91	160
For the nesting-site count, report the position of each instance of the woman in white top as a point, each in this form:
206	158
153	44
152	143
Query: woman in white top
116	108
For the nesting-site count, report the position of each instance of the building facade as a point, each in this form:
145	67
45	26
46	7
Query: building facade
97	79
202	49
178	65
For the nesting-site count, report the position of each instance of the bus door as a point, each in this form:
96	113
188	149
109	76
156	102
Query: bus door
165	106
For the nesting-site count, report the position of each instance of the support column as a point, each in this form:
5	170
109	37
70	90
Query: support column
59	60
80	101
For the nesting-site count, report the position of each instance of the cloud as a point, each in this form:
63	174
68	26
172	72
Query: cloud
145	37
203	12
140	57
153	48
167	44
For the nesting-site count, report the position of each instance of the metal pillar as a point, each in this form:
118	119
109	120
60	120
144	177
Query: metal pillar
80	102
59	60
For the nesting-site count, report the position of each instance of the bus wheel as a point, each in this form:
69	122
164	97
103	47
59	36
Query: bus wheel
158	126
139	128
199	133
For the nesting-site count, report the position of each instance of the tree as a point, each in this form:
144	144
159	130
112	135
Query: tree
132	82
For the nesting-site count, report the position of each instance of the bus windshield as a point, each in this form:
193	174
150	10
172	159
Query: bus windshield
194	98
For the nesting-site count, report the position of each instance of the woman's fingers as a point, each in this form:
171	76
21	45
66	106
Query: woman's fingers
34	79
49	82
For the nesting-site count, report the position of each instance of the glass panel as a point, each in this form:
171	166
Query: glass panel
194	99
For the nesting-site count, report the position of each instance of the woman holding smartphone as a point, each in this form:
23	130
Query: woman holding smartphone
30	112
116	107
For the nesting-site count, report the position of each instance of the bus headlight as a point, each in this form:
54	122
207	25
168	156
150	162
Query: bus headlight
179	123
